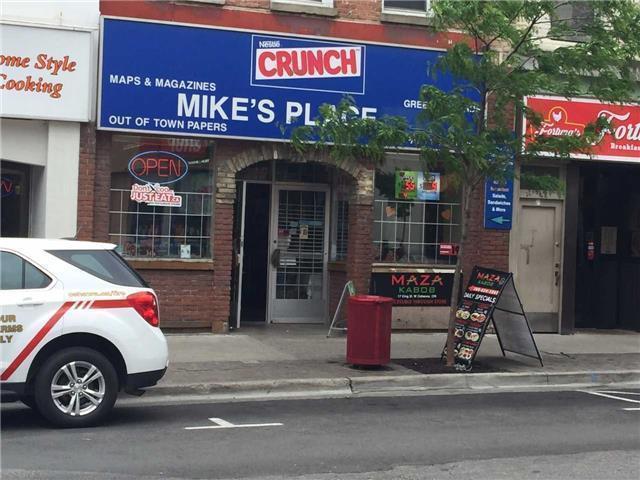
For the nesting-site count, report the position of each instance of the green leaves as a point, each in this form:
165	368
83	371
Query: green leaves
514	49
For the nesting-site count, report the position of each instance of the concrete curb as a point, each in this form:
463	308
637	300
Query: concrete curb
381	385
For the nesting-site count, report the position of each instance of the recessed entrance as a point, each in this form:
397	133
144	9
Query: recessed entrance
256	253
608	250
281	243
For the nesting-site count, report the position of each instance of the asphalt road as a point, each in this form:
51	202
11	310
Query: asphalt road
538	435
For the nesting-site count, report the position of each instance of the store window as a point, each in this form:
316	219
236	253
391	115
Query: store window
406	6
161	196
415	213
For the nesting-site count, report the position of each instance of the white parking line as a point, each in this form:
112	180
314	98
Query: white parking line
606	394
619	393
220	423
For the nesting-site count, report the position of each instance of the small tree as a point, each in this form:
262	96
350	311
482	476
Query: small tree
470	129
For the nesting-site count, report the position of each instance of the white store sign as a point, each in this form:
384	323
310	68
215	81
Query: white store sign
45	73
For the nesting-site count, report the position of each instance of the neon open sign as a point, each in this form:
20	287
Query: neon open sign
158	167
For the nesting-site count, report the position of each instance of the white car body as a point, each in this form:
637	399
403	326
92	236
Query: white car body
76	307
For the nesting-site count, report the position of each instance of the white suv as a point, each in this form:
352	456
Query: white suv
77	325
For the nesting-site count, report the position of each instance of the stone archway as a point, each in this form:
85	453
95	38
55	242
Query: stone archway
359	250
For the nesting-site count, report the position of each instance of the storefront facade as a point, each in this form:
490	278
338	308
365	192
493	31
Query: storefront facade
46	94
196	182
576	254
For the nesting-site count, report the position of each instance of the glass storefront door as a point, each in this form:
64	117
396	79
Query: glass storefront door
299	254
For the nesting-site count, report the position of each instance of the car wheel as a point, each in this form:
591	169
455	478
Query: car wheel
76	387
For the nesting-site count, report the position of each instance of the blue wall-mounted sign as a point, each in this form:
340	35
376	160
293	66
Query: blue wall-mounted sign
165	78
498	204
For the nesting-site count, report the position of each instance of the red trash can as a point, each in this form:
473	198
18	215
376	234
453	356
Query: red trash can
369	330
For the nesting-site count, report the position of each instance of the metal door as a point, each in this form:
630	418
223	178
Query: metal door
299	254
539	259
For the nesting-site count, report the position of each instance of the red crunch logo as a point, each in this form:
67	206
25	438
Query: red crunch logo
321	62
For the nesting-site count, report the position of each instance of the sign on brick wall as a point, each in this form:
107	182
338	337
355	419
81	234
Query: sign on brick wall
205	81
562	117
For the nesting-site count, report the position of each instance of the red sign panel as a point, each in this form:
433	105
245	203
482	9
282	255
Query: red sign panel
562	117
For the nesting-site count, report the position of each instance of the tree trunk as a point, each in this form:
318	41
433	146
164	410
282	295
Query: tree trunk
467	190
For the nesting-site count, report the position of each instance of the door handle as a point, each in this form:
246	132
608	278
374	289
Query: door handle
275	258
28	302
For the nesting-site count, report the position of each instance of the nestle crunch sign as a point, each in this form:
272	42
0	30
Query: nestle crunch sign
300	64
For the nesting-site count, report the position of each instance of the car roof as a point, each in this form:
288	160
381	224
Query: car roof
52	244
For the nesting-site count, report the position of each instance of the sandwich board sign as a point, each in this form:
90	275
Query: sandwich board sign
491	296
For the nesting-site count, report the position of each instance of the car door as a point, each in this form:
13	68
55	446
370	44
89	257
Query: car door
30	309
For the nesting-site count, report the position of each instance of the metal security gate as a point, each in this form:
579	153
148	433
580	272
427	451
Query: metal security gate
299	254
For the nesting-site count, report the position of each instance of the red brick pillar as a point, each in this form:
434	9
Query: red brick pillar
86	181
102	187
486	248
360	243
223	247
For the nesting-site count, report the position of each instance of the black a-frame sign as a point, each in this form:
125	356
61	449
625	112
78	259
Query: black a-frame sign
491	296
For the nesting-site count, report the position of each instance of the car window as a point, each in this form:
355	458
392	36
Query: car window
17	274
104	264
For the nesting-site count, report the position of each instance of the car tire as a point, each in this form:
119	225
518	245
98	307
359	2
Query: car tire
76	402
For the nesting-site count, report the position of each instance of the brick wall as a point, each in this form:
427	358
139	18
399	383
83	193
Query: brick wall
337	279
359	9
487	248
359	250
86	180
185	297
223	255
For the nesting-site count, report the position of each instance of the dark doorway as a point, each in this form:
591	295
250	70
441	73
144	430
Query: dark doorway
608	253
14	203
256	253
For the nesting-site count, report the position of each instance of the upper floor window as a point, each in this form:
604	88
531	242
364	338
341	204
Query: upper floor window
18	274
412	7
319	3
571	18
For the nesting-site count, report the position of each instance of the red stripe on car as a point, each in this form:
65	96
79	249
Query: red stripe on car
124	303
35	341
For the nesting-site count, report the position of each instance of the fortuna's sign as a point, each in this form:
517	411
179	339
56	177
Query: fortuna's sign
562	117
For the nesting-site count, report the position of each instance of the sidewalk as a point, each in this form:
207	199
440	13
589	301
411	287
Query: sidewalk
278	361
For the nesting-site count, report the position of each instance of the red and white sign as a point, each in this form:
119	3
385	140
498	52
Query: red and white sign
448	250
155	195
562	117
45	73
321	62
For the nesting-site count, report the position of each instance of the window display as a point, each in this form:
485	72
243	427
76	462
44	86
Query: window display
415	212
161	196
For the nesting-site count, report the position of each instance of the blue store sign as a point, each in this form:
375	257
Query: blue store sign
164	78
498	204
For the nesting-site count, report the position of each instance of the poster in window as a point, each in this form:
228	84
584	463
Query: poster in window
412	185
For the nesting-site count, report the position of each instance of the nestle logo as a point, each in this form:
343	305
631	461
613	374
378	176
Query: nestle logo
289	63
305	64
269	44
